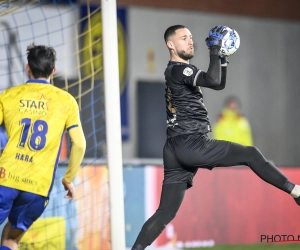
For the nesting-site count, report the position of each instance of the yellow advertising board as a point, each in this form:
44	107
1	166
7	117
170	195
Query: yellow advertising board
45	233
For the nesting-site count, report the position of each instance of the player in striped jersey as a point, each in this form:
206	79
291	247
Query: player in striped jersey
35	115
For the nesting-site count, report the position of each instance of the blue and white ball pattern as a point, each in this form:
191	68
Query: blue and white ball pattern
230	43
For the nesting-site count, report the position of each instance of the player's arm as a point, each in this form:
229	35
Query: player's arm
78	145
190	75
215	77
223	78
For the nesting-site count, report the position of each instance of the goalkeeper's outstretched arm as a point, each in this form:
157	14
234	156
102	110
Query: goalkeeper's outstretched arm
77	152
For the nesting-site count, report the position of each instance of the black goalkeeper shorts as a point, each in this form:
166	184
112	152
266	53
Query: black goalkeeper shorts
184	154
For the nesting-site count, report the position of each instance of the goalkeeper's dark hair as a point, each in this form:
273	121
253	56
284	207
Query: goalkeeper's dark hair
41	60
172	30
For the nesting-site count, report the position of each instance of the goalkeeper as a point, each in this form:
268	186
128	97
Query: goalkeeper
188	146
35	115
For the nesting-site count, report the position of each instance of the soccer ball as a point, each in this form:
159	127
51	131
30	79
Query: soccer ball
230	43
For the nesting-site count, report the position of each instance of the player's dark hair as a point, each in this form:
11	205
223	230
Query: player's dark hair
172	30
41	60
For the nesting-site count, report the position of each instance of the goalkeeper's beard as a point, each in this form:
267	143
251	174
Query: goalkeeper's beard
185	56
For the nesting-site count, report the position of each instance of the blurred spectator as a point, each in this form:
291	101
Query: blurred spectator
3	138
231	125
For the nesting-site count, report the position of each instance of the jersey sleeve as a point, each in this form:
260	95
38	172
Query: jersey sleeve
73	119
76	154
185	74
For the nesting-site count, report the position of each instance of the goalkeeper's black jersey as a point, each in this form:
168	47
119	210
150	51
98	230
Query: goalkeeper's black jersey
186	112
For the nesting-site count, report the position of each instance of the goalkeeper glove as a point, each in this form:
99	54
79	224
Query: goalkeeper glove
215	36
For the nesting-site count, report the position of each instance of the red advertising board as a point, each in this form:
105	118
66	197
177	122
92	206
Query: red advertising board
230	206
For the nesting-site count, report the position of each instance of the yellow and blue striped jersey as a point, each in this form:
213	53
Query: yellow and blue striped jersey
35	115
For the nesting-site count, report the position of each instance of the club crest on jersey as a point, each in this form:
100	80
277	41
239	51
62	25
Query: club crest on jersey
187	71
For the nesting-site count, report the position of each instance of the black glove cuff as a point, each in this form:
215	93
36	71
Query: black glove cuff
214	50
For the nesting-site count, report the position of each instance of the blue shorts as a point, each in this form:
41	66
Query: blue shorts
21	208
